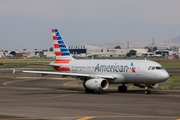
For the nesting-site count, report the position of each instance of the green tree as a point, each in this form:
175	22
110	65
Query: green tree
51	49
117	47
149	49
13	53
154	48
130	53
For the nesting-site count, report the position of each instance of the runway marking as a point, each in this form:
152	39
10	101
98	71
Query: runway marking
91	117
155	117
70	117
87	118
67	83
29	79
37	78
34	78
43	98
31	88
6	83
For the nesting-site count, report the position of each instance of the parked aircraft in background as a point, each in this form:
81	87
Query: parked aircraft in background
98	74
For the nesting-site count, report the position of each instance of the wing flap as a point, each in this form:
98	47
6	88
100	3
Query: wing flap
70	74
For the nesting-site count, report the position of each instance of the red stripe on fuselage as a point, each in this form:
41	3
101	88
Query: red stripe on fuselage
61	61
61	68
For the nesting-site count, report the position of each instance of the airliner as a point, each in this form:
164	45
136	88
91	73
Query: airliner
98	74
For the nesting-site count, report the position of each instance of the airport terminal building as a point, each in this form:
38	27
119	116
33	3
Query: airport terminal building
84	51
102	52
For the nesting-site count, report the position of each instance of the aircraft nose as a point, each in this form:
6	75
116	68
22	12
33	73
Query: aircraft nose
164	76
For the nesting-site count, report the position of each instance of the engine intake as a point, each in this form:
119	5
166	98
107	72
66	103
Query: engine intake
97	84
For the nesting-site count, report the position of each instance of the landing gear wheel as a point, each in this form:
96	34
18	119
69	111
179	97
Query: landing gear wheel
147	92
122	88
89	91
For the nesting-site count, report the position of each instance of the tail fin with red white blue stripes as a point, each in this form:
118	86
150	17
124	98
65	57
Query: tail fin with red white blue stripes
63	56
60	48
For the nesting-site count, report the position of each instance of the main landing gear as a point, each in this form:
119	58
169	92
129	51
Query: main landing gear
88	90
122	88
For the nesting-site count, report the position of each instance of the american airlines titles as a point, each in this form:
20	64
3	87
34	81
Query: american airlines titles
111	68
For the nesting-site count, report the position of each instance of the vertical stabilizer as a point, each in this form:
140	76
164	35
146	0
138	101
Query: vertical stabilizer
63	56
60	48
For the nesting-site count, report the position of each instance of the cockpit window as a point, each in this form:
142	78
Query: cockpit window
150	68
156	68
153	68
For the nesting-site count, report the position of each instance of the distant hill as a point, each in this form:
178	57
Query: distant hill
176	39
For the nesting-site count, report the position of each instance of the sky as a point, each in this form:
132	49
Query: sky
27	24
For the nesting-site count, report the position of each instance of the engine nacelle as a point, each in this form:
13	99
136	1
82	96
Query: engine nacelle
97	84
149	85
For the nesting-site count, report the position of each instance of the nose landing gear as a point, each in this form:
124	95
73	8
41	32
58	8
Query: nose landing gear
122	88
147	91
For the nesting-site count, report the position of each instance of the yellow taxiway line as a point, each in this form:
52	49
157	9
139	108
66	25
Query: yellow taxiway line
87	118
67	83
154	117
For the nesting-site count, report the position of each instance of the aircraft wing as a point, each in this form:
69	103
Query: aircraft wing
71	74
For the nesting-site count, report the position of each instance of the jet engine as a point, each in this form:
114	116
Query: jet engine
97	84
149	85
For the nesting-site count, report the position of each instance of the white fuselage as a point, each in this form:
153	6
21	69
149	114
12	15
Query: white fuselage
124	71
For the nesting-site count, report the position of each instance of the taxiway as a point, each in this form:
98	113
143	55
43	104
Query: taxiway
30	97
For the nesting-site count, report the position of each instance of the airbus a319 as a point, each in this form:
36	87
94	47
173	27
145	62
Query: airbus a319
98	74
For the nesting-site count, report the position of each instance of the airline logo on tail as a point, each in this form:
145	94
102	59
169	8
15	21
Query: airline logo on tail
63	56
59	45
